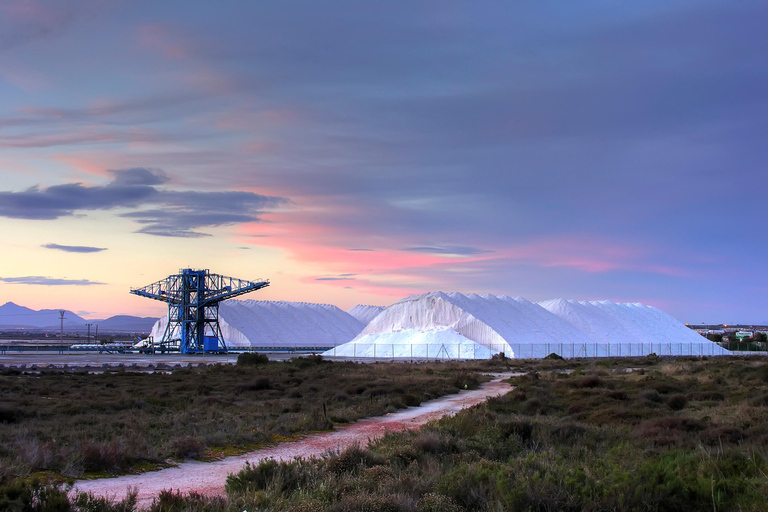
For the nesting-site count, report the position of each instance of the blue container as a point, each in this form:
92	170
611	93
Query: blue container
211	344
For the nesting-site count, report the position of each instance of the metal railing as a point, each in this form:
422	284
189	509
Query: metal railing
522	350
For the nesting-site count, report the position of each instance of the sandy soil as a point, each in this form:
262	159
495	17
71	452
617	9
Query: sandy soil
208	478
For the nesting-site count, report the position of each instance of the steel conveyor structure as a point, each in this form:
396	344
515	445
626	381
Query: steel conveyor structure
193	298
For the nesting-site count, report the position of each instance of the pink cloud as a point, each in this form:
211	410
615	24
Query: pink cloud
24	77
160	38
381	267
31	11
87	135
255	120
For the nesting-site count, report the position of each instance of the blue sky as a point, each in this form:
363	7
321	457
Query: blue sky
357	152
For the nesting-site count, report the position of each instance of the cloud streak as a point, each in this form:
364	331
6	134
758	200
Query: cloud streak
449	250
83	249
48	281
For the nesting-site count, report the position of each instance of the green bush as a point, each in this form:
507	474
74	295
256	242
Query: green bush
251	359
351	460
677	402
308	361
270	475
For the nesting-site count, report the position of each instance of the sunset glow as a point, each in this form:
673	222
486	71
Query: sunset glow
356	152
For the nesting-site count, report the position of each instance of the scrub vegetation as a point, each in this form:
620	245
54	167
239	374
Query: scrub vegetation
645	434
70	423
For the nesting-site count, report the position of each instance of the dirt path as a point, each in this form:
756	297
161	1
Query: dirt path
208	478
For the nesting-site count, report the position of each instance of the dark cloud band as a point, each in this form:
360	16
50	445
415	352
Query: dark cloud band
74	248
161	212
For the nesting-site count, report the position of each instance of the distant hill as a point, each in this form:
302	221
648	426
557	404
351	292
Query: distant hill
13	316
126	323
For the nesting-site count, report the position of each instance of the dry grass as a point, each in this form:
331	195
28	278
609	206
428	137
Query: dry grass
593	436
74	423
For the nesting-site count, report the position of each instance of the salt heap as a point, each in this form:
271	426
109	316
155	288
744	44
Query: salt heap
440	325
630	329
456	326
269	324
365	313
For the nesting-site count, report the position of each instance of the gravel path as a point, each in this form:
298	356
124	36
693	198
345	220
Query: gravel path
208	478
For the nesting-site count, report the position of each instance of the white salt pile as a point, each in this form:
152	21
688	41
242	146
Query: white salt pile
268	324
365	313
453	325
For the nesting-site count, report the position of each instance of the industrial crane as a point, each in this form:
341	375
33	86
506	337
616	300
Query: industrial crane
193	298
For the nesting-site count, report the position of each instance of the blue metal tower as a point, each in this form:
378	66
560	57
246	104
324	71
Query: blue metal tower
193	298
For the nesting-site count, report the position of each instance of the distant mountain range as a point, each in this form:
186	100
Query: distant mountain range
13	316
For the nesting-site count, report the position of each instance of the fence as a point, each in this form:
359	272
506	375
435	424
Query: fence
522	350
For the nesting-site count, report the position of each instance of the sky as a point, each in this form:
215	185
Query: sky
361	152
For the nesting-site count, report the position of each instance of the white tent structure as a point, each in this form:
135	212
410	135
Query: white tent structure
265	325
454	326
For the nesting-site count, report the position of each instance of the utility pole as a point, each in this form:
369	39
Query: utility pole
61	334
88	337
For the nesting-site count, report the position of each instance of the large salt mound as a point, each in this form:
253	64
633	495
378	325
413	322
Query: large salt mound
440	325
437	343
365	313
489	324
267	324
630	329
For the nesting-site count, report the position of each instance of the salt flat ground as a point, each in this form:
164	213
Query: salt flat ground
209	478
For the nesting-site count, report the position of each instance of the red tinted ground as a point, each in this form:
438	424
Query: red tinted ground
208	478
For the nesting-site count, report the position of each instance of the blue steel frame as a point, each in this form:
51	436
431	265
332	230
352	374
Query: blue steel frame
193	298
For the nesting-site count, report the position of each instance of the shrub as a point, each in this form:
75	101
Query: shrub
187	447
716	435
86	502
590	381
569	432
9	414
651	395
499	356
677	402
410	399
433	442
104	456
466	380
762	373
309	361
251	359
432	502
170	501
670	431
367	502
280	477
515	427
34	496
351	460
706	396
256	385
760	400
471	485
